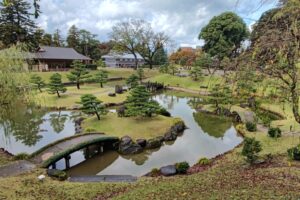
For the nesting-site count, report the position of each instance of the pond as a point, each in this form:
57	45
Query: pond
29	129
206	136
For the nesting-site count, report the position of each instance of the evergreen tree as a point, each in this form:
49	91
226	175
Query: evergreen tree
140	73
16	24
79	73
57	39
100	63
92	106
47	40
140	104
132	81
161	57
251	149
56	86
73	38
101	77
196	72
37	81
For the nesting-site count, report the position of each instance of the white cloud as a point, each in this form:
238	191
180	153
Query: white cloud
182	20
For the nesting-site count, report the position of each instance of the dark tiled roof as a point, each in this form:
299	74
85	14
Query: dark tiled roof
58	53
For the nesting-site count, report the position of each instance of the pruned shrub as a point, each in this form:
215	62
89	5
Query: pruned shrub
294	153
251	149
251	127
164	112
21	156
274	132
154	172
204	161
182	167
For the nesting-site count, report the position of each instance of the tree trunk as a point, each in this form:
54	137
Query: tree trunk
295	102
40	90
98	116
136	61
101	85
57	94
150	65
78	85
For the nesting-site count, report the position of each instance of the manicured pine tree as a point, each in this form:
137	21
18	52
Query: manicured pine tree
37	82
196	72
141	74
140	104
56	86
101	77
132	81
92	106
79	73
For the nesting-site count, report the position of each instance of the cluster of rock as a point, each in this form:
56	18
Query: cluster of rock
57	174
128	146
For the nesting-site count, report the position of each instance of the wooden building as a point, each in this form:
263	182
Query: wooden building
55	59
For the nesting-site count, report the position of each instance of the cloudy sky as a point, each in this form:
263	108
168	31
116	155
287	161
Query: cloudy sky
181	19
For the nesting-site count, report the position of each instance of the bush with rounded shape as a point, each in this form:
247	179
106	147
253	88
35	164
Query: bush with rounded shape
154	172
204	161
251	127
251	149
294	153
182	167
164	112
274	132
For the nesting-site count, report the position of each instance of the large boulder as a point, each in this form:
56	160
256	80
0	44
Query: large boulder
178	127
170	136
154	143
127	146
141	142
57	174
168	170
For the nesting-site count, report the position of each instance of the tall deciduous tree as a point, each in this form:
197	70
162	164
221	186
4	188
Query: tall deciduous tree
79	73
276	48
151	43
126	36
56	86
92	106
224	35
16	24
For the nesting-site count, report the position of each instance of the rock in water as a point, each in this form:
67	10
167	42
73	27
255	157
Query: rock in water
168	170
127	146
141	142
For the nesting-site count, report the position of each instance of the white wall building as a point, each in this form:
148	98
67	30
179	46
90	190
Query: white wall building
122	60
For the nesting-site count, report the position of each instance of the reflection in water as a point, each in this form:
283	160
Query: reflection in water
213	125
195	143
26	128
58	121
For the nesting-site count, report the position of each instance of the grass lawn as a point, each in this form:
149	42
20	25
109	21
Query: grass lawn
285	110
113	73
72	96
186	82
136	128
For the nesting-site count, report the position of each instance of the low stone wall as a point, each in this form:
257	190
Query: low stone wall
128	146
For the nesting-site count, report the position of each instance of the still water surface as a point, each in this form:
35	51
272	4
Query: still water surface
28	129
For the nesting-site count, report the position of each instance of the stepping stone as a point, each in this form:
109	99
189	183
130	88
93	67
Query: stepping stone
103	178
16	168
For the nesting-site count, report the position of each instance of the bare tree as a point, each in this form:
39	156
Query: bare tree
126	36
150	43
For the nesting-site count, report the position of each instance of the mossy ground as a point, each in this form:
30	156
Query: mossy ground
72	96
135	127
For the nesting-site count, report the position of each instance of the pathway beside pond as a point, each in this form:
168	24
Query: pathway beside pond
104	178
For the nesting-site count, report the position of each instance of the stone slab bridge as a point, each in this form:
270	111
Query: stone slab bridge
61	149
